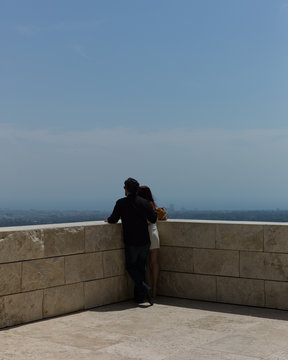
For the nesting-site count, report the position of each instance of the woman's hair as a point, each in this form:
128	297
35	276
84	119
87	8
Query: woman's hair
145	192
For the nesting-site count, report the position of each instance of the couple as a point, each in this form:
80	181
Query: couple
137	212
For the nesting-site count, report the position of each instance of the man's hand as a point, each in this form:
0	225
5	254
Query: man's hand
106	220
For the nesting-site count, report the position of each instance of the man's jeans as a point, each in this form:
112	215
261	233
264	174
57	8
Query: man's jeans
136	257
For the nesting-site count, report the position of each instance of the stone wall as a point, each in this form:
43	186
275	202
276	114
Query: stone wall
229	262
52	270
56	269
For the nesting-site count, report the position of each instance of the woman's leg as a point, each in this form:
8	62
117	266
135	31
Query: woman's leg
149	279
154	269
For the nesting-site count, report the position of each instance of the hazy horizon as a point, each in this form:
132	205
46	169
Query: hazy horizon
109	209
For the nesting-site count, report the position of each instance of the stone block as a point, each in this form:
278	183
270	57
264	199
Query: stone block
106	291
113	263
44	273
63	299
216	262
103	237
203	235
21	245
10	278
64	241
187	234
189	286
83	267
266	266
239	237
276	238
3	317
240	291
276	294
22	308
178	259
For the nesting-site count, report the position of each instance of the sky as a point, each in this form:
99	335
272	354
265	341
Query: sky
189	97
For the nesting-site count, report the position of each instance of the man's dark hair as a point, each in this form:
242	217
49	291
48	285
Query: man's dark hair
131	185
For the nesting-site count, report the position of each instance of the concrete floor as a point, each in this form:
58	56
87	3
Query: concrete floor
171	329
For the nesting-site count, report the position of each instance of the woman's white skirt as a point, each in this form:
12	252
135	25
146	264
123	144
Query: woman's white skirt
154	236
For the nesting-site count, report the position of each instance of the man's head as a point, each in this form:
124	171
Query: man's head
131	186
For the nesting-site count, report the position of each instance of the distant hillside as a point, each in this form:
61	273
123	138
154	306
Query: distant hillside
37	217
236	215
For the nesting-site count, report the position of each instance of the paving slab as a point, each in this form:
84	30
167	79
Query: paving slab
171	329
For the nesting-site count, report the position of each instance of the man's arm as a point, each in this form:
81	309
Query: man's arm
115	216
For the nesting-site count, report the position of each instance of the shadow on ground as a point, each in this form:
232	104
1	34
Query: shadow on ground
200	305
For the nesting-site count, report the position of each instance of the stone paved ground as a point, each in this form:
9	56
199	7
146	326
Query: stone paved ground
171	329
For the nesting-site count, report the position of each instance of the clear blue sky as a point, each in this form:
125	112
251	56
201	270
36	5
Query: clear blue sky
187	96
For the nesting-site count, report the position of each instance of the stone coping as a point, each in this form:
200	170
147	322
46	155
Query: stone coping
51	226
93	223
227	222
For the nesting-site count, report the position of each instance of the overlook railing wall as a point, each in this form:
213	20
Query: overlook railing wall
237	263
51	270
57	269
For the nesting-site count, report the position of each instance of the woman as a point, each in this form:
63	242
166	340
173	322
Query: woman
152	261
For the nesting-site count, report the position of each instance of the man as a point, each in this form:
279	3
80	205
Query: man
135	212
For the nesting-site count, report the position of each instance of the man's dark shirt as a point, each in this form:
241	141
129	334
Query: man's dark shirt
134	211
